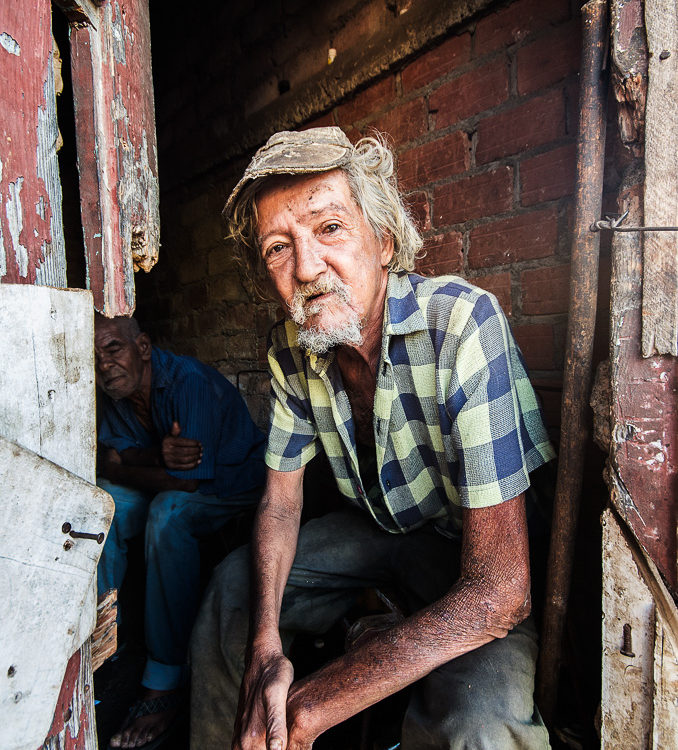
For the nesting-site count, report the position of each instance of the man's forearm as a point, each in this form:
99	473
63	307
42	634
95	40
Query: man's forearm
390	660
491	596
274	543
152	479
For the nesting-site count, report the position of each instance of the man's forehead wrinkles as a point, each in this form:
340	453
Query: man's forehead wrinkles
300	216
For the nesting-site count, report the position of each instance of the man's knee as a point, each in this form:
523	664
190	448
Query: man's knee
168	511
467	726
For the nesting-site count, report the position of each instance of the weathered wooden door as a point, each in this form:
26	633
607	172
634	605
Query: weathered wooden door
640	571
47	412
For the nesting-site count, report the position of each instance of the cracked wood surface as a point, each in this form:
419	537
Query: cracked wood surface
660	260
117	154
47	474
31	232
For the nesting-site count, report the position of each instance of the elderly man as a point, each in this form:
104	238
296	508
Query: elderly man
417	393
180	456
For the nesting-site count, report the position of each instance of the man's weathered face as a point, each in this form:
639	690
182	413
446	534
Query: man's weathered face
120	361
323	258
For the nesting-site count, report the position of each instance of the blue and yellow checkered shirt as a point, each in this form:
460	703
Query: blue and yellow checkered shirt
456	421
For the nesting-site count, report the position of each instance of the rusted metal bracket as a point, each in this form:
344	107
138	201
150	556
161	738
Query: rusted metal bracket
612	223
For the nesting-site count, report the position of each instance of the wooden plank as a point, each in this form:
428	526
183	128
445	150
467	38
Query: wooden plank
644	452
665	699
47	391
629	71
105	636
31	232
660	260
40	563
74	723
117	154
640	669
47	405
81	12
627	681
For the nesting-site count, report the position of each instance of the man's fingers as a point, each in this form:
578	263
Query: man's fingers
176	429
180	442
275	706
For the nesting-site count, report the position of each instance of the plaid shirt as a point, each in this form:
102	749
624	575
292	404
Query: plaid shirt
456	421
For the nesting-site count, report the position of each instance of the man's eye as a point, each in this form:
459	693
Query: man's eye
330	228
275	252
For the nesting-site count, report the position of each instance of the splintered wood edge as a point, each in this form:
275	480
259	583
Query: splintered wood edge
104	639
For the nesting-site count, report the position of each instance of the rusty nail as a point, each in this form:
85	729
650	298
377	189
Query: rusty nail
68	529
664	54
68	544
98	538
67	714
627	647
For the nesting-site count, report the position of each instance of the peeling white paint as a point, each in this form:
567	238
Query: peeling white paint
622	432
10	44
15	219
52	270
118	30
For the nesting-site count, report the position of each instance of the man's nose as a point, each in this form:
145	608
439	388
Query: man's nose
101	362
309	260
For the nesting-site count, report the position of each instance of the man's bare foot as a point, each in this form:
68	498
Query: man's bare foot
148	719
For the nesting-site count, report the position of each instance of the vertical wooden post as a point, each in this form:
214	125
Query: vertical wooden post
31	232
579	351
117	155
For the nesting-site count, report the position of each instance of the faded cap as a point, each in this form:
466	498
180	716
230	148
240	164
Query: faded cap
295	152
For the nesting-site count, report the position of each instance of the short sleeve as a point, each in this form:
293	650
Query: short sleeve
292	438
497	428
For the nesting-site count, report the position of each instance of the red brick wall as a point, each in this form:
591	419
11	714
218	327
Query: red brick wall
484	125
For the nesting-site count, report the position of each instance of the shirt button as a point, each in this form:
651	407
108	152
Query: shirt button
388	483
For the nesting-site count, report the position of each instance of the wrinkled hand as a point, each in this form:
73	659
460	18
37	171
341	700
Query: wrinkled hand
180	454
261	723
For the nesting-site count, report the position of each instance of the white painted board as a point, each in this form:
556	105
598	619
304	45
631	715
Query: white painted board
47	393
47	591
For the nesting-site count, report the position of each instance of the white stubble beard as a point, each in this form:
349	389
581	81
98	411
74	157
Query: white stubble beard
320	340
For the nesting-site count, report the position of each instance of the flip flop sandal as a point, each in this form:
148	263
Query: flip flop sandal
159	705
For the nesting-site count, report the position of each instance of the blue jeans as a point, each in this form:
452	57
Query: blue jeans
173	522
482	700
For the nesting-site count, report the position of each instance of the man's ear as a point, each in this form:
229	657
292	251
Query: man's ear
143	342
386	250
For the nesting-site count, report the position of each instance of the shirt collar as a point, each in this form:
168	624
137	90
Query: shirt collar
402	314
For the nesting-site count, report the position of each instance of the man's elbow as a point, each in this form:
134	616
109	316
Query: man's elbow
510	603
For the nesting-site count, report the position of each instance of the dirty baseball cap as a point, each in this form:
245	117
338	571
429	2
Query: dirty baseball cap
295	152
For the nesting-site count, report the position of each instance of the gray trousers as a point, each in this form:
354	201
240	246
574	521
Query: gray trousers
483	699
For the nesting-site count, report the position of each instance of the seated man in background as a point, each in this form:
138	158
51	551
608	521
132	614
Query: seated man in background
418	395
180	455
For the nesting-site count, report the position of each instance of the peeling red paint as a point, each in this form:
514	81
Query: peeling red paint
115	128
25	208
644	415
